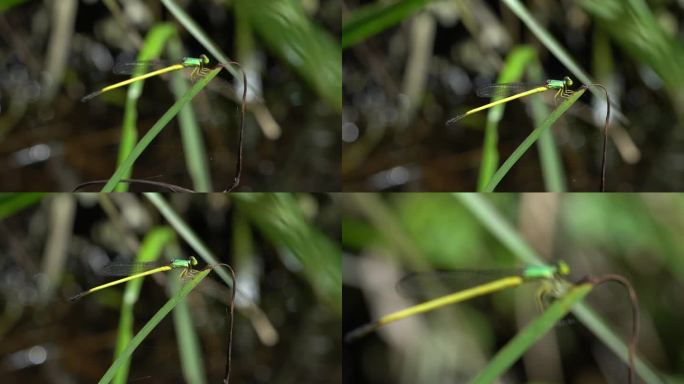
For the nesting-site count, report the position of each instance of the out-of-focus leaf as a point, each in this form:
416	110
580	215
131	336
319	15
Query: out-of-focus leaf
281	220
13	202
375	18
287	30
8	4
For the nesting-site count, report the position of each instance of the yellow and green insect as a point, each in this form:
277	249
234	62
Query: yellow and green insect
516	90
551	277
136	270
198	65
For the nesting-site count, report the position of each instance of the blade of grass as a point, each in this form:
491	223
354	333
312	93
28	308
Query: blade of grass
492	219
150	249
156	129
151	49
10	203
510	238
552	169
187	234
191	26
553	46
551	165
512	71
375	18
150	325
534	331
530	139
547	39
193	145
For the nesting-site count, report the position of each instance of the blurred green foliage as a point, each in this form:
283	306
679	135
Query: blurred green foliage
636	236
633	25
284	224
289	32
8	4
10	203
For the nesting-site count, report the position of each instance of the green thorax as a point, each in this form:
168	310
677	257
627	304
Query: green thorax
559	84
536	272
195	61
184	263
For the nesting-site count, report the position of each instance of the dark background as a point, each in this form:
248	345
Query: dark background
51	249
51	141
633	48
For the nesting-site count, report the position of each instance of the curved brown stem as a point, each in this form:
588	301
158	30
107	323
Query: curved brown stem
226	377
238	163
598	280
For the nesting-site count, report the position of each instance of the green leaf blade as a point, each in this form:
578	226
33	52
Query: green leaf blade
515	348
147	328
156	129
531	139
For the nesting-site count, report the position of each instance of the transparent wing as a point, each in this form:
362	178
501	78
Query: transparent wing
128	268
431	284
130	67
503	90
454	120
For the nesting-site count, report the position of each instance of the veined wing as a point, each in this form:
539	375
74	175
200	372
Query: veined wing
131	67
128	268
440	282
504	90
